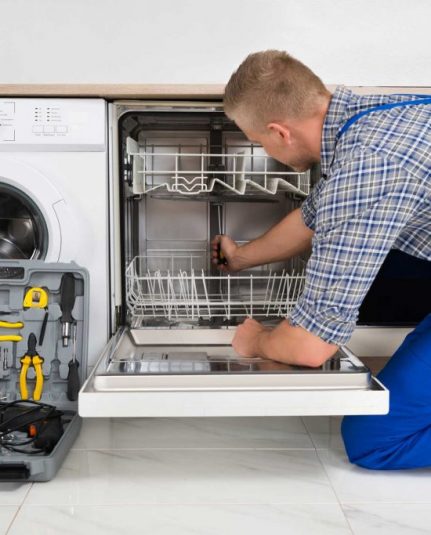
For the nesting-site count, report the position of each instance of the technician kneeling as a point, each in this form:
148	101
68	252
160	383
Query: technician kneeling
374	196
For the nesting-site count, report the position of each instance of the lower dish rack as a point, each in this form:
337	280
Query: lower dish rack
181	292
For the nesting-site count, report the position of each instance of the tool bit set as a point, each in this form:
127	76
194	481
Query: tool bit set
43	354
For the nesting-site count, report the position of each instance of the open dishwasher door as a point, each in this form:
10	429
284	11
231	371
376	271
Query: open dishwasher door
169	373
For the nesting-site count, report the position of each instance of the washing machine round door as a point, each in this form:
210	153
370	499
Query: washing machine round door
31	214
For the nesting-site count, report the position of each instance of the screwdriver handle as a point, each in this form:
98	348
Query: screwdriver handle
73	380
67	297
221	259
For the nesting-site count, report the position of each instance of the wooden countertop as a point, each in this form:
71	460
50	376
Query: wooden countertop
154	91
114	91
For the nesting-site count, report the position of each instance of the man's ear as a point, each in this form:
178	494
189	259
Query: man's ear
280	132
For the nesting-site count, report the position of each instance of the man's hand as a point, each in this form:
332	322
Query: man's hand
225	245
246	341
284	240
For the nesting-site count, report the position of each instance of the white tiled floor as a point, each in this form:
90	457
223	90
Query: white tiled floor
216	476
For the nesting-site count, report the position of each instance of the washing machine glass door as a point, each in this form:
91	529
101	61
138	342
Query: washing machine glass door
23	231
33	214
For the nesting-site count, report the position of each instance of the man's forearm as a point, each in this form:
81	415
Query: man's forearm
286	343
284	240
294	345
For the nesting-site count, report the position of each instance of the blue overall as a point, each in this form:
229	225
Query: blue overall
402	438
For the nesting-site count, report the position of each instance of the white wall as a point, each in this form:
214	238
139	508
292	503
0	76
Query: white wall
354	42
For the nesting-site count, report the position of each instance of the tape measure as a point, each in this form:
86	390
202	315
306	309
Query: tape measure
35	298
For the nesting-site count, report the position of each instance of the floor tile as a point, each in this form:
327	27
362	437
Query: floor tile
182	520
389	519
137	433
186	476
353	484
7	513
13	493
324	431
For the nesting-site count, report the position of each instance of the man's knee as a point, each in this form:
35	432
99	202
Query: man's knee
363	443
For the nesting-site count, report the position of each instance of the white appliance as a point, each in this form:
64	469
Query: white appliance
54	191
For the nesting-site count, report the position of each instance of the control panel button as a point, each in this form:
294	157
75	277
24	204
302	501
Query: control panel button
37	128
48	129
7	133
61	129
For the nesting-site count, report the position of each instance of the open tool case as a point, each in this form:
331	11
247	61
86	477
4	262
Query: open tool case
20	279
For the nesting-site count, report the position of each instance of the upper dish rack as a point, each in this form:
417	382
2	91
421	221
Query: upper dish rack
247	171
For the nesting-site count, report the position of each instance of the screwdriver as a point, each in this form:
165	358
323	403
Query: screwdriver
67	301
220	256
73	375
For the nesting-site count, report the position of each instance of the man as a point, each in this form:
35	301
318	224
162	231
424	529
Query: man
374	196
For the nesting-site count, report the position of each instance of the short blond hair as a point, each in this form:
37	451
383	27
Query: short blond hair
271	86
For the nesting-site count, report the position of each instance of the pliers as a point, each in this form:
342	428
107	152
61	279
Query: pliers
31	358
11	325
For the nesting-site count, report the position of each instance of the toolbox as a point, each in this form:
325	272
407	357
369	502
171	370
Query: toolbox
44	310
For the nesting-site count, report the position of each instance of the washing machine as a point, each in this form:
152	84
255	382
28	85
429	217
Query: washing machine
54	191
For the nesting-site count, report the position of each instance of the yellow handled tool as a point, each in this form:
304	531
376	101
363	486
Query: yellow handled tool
11	325
10	338
35	298
31	358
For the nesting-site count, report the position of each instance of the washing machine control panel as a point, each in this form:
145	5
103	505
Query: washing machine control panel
57	124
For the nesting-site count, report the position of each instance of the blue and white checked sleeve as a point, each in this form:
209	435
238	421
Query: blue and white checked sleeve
308	207
359	212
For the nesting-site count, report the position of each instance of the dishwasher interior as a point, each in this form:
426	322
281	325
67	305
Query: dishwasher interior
186	175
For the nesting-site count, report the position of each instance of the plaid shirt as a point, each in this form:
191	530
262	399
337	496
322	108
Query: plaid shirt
374	195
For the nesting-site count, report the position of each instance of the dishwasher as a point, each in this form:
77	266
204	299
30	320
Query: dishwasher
182	172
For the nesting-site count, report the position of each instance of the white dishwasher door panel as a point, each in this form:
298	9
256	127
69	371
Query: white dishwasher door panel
196	373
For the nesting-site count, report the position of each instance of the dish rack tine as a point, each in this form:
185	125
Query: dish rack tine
277	297
184	294
194	294
222	304
286	289
228	298
206	294
152	293
268	293
271	282
251	295
160	292
170	295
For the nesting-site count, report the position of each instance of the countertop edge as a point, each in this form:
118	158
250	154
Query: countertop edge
154	91
114	91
